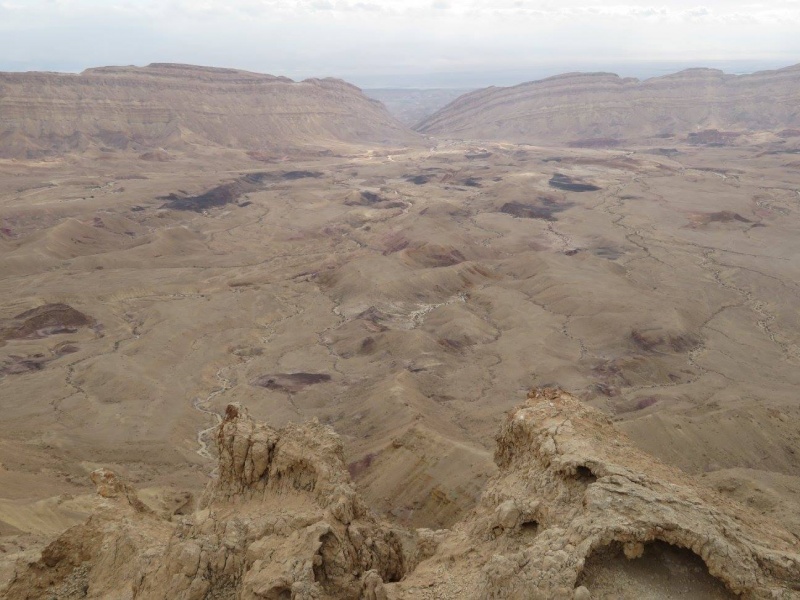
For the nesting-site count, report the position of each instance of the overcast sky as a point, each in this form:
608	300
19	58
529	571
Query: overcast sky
399	41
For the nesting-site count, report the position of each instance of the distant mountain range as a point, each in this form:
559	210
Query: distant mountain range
586	108
170	106
173	106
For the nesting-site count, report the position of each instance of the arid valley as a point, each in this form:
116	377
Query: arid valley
407	289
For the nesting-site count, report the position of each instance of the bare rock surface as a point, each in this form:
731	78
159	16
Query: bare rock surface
168	106
603	109
283	520
569	487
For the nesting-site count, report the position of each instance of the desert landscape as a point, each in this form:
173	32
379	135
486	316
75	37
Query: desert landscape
192	290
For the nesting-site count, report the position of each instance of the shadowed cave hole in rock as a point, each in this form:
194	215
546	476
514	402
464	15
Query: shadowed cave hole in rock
279	593
301	476
585	475
661	571
529	528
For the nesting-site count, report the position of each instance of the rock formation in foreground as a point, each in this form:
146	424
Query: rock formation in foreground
176	106
602	108
283	520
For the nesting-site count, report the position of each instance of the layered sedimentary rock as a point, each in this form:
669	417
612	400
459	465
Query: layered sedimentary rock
569	487
174	106
282	520
603	109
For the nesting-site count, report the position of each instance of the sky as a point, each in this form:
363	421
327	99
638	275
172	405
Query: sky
403	43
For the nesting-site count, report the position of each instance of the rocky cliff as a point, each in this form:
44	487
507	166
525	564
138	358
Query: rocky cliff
282	520
602	108
174	106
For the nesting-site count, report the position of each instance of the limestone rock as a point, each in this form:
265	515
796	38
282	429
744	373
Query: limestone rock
571	485
602	109
283	521
170	106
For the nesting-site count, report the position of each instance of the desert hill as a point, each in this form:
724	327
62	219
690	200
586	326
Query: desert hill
407	299
172	106
603	108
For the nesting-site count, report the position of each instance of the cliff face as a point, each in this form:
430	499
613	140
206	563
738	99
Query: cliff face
169	106
283	520
581	107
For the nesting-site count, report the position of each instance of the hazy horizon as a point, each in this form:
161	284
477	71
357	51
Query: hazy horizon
415	43
504	77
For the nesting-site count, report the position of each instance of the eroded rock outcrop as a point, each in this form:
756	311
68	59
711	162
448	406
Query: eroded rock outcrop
169	106
570	485
282	520
603	110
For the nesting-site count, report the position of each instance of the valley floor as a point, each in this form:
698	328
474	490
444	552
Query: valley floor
409	300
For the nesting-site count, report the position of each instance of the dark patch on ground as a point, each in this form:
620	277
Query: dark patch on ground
472	182
395	242
357	467
544	208
418	179
450	344
607	252
365	199
653	341
292	175
789	133
595	143
726	216
786	151
17	365
373	200
368	346
568	184
220	195
634	405
229	193
668	152
476	155
374	319
64	348
712	137
434	255
290	382
723	216
49	319
371	197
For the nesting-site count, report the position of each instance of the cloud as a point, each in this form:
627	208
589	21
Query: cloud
350	37
696	12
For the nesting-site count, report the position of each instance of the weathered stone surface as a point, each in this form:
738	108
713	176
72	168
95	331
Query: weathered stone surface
283	520
603	109
176	106
570	485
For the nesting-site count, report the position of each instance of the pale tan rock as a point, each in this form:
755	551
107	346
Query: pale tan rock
582	593
601	108
170	106
586	487
283	520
